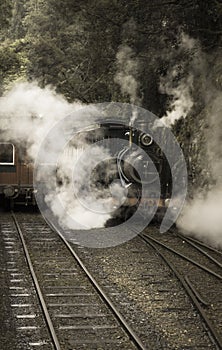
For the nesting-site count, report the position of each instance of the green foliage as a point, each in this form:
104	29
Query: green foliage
8	60
5	13
73	44
12	62
16	30
45	61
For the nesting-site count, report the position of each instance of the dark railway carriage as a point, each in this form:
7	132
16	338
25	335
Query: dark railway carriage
16	176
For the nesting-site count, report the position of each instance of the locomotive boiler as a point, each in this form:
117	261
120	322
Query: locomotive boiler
137	162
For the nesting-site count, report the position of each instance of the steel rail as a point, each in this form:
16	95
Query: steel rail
37	287
175	232
200	243
132	335
204	268
190	291
197	294
195	245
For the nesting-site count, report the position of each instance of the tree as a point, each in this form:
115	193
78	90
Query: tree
5	13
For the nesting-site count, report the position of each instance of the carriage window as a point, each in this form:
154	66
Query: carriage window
7	154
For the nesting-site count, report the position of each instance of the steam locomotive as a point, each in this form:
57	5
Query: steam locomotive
137	162
128	162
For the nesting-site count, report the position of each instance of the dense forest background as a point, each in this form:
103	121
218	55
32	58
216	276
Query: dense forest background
73	44
86	48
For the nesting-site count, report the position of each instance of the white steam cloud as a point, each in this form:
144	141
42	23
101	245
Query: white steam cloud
180	88
127	75
182	101
127	72
202	215
27	114
77	201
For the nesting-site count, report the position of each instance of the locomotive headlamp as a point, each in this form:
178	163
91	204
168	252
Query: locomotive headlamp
167	202
146	139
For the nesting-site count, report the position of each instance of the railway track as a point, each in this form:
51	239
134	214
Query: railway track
55	301
59	305
149	290
198	267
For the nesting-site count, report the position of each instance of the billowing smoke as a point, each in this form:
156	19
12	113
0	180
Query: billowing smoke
182	101
178	83
202	215
79	202
127	75
28	113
